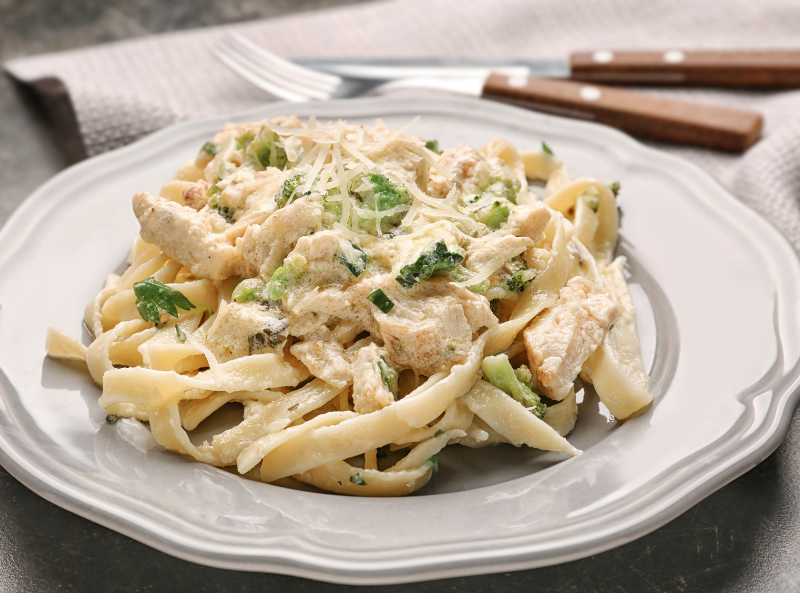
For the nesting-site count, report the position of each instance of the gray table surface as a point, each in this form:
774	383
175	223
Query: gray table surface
745	537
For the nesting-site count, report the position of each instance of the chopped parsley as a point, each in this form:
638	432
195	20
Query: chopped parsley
209	148
436	261
152	297
615	186
357	479
379	298
433	146
547	149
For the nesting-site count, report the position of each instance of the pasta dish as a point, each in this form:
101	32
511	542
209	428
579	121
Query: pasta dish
367	299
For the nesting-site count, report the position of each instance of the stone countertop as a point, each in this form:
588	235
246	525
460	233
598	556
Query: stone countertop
742	538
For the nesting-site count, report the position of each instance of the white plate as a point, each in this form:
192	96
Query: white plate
717	291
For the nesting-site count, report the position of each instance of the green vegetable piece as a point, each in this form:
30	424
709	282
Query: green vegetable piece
433	461
378	193
494	216
379	298
519	280
357	479
265	150
615	186
436	261
209	148
288	190
249	290
354	259
547	149
215	203
433	146
244	140
152	297
282	279
498	371
388	376
111	419
180	334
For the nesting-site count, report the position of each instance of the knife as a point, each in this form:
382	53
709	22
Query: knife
684	67
643	115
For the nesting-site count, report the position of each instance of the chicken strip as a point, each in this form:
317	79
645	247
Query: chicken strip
265	246
561	339
187	236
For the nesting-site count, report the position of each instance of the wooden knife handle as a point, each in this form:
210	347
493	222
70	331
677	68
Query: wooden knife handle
639	114
725	68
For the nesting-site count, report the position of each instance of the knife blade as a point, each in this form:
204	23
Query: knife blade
763	68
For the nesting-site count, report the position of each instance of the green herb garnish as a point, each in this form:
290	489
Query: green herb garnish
433	146
438	260
379	298
615	186
388	376
354	260
152	297
547	149
433	462
209	148
357	479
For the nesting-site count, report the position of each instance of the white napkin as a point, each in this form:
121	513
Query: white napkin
124	90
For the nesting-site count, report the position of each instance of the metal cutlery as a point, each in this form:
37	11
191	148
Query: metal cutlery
639	114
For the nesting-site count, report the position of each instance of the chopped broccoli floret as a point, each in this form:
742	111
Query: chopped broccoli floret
436	261
283	278
494	216
263	150
499	372
379	194
519	280
215	203
288	191
433	146
504	188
